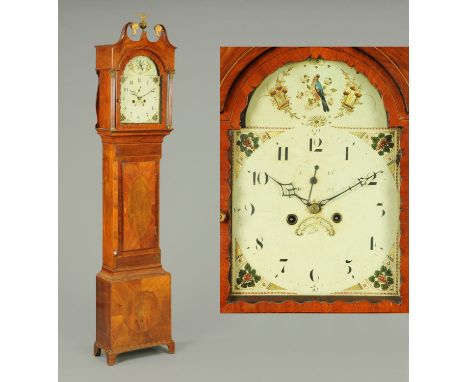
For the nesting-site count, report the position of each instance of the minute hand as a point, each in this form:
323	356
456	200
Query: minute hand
361	182
152	90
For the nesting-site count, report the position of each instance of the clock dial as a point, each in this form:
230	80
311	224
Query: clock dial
140	92
314	212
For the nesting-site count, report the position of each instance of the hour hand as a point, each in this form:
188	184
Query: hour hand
289	190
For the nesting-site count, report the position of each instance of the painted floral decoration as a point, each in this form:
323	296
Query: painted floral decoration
247	277
382	143
248	143
382	278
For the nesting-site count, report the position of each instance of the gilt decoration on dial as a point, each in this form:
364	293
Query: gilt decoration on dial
315	211
315	93
140	92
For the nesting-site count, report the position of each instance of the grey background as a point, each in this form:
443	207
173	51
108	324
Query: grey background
210	346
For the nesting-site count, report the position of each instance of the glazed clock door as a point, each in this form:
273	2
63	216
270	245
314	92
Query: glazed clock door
314	184
140	92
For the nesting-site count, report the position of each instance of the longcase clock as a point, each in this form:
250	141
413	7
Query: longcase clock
133	291
314	179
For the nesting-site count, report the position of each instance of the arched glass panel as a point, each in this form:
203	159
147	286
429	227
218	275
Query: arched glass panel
140	92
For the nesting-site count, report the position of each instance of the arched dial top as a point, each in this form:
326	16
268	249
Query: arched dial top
315	211
140	92
316	92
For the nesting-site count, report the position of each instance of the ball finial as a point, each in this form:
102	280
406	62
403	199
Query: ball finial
142	23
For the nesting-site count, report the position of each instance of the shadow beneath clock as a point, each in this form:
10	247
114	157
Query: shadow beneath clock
149	352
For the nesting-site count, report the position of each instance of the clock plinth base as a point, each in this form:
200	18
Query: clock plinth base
111	356
133	311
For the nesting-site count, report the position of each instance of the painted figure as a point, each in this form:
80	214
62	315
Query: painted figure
319	89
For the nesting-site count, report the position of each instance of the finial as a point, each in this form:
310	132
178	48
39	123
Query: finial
158	30
142	23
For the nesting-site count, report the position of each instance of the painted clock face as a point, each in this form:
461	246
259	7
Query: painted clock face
140	92
315	211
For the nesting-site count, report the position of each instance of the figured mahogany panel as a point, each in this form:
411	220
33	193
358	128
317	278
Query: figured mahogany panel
139	201
133	310
140	311
126	157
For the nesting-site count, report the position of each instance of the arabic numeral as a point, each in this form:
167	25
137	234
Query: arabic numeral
315	145
259	178
283	153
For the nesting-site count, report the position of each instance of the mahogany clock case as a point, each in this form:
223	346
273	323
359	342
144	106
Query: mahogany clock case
133	291
243	75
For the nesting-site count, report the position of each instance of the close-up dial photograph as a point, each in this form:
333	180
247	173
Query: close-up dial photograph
314	178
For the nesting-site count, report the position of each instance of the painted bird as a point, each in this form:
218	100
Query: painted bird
319	89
